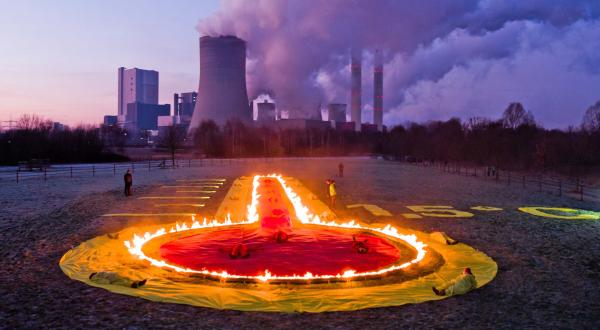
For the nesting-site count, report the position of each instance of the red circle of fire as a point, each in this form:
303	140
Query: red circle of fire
314	250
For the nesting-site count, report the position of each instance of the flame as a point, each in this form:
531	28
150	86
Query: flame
303	214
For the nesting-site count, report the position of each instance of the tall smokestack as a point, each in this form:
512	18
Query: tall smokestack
378	91
175	104
121	111
222	93
355	100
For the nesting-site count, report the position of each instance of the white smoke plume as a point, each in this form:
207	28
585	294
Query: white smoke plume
442	58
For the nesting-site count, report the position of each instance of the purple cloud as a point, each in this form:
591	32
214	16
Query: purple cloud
442	59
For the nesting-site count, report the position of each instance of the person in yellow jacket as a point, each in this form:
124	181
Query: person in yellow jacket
331	191
115	279
460	285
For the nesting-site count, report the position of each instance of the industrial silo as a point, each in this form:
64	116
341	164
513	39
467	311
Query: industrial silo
222	91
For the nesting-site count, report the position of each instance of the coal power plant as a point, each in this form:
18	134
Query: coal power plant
222	93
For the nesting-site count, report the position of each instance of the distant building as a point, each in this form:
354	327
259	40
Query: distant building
266	111
164	122
349	126
58	127
336	112
110	120
184	103
136	85
372	128
285	124
143	116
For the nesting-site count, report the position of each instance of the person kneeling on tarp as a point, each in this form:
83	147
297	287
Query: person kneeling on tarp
460	285
115	279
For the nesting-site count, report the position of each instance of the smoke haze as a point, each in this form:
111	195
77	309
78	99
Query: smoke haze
441	58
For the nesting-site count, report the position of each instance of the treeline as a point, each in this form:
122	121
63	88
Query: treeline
513	142
492	143
35	138
235	139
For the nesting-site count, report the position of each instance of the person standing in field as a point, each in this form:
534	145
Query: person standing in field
341	170
128	178
331	191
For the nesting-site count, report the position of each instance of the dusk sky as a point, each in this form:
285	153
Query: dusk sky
59	58
443	58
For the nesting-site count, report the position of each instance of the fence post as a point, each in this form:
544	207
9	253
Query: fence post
559	188
114	169
71	171
149	166
44	174
93	170
17	175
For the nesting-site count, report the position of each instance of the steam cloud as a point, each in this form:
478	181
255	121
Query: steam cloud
442	58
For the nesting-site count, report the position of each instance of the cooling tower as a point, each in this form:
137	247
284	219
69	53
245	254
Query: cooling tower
356	91
378	92
222	91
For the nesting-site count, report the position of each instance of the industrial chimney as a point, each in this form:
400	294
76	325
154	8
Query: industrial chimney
378	91
222	91
355	99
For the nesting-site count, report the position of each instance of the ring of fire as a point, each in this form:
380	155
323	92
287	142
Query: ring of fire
424	261
385	243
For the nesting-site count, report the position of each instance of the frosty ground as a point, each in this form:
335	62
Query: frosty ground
547	277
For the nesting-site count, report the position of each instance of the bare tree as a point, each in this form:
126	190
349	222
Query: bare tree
173	139
476	122
515	116
591	118
33	122
208	138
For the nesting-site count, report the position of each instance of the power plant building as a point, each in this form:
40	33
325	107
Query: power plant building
109	120
143	116
222	91
266	111
184	103
136	85
336	112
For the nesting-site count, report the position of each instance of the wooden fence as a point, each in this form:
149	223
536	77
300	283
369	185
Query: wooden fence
84	170
558	186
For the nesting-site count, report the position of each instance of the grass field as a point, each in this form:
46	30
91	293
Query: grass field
548	268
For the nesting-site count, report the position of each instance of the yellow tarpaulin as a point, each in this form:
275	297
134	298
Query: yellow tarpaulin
106	254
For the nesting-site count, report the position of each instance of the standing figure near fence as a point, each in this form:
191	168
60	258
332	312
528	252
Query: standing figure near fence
341	170
128	178
331	191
